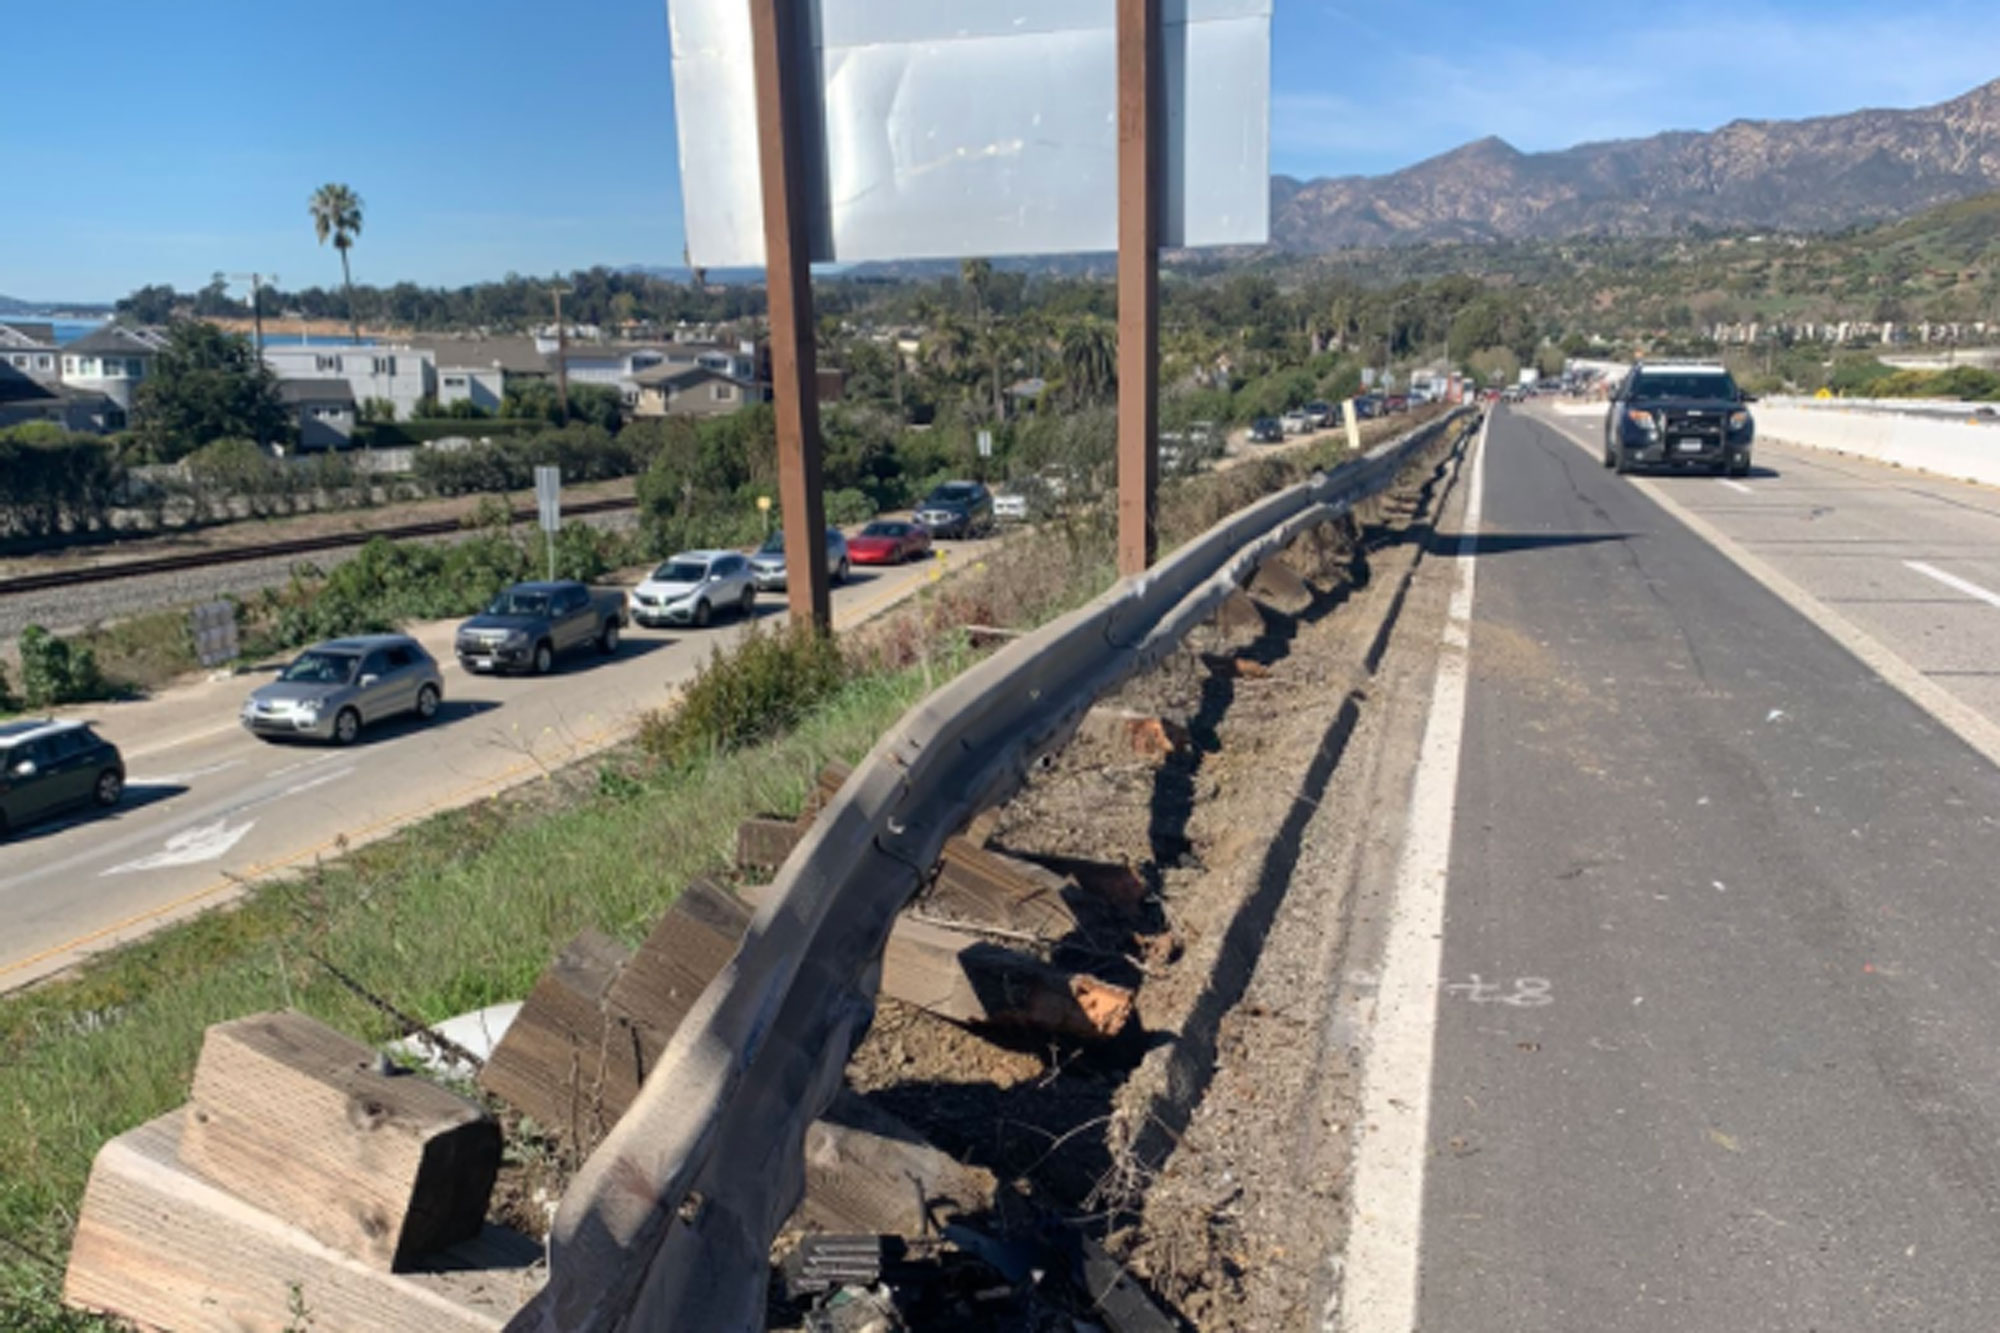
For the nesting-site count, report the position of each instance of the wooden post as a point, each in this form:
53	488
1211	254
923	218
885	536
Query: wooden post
1140	124
776	49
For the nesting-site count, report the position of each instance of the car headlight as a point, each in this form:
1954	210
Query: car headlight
517	638
308	710
1739	421
1642	419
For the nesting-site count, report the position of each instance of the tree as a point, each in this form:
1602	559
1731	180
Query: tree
207	384
336	215
1089	360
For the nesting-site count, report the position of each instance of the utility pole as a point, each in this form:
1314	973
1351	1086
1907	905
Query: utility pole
256	281
562	353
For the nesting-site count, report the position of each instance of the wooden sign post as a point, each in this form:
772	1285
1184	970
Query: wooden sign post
777	39
1139	173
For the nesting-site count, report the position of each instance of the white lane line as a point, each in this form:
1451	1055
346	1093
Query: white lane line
1379	1286
171	779
1968	723
188	739
1970	589
1735	485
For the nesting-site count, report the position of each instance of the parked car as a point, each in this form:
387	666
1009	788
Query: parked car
957	509
1679	415
767	566
1267	430
332	690
48	766
889	541
1321	414
528	626
690	588
1296	422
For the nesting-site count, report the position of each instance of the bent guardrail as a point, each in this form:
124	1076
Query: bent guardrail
670	1221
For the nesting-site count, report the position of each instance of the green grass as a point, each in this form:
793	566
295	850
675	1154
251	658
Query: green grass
459	912
467	908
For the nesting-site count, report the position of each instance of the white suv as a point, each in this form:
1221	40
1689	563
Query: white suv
690	588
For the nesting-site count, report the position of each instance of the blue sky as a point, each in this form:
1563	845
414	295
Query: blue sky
163	142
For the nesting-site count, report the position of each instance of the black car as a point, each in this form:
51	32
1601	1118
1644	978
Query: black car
1679	416
49	766
1267	430
957	509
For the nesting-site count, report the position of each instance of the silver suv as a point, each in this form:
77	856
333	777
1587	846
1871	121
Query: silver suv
333	689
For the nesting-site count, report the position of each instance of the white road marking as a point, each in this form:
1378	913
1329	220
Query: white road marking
179	741
1735	485
192	846
1970	589
1386	1226
169	779
1965	721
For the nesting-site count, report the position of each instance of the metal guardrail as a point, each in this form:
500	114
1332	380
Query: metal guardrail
669	1223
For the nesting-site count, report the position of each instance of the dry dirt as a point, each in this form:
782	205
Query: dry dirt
1206	1147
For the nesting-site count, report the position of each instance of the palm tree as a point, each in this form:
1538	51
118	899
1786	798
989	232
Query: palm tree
336	215
1089	359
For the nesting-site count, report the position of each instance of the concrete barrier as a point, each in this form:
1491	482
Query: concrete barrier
1953	449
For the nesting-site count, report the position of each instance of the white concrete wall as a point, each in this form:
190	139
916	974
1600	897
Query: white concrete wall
1950	448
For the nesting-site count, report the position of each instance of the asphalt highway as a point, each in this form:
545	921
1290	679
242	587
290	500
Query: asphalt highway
1714	1042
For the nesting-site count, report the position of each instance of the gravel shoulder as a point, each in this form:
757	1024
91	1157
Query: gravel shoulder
1206	1148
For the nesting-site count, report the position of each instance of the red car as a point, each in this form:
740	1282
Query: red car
889	542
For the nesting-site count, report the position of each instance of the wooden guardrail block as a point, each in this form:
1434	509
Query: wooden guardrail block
957	975
1240	615
160	1244
1279	585
599	1017
978	885
868	1173
763	843
316	1129
552	1064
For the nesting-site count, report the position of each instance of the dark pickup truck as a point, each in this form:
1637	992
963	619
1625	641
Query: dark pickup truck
531	624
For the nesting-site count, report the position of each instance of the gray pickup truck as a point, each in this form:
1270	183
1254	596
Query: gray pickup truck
531	624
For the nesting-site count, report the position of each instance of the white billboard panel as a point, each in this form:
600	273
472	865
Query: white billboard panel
943	128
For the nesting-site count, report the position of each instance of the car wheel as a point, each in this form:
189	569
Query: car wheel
746	606
346	727
1621	464
545	658
427	702
110	786
701	615
1740	467
840	575
1608	459
607	642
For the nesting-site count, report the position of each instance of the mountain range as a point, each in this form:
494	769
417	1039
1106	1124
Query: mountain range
1822	174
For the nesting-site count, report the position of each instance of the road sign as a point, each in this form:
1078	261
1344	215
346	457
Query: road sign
942	130
548	497
986	444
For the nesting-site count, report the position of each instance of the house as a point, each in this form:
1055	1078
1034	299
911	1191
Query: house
402	376
323	410
24	398
478	370
668	390
113	361
621	366
31	349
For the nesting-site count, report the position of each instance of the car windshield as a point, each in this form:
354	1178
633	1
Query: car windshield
952	495
885	529
681	571
1709	387
773	545
517	603
318	668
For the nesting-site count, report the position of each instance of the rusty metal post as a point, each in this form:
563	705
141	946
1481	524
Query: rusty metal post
778	51
1141	126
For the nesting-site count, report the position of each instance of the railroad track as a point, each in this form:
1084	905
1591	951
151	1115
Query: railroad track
170	564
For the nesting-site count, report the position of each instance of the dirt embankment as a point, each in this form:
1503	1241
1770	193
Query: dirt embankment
1206	1148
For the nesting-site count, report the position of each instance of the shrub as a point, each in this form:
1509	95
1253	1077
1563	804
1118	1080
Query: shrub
765	686
8	703
848	507
54	671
